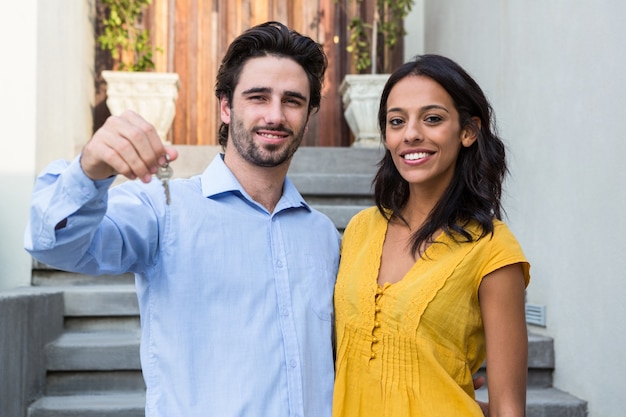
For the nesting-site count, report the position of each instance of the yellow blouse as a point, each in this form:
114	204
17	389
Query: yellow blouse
411	348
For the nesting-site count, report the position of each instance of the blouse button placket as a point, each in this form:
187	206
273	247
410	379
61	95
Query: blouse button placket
376	324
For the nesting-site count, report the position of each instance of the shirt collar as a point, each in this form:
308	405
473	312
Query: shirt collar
217	179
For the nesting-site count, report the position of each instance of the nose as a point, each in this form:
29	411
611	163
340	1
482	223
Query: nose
274	112
412	132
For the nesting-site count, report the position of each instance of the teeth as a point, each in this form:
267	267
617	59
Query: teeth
415	156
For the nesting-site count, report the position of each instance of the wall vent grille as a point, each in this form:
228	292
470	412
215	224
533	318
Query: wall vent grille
536	314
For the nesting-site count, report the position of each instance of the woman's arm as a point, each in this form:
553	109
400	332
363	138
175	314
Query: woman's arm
501	296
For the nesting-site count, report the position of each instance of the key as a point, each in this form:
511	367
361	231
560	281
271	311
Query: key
164	173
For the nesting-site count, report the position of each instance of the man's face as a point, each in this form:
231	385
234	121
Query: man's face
269	111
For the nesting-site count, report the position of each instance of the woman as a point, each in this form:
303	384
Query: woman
431	281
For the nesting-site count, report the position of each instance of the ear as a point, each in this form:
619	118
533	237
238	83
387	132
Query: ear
306	123
469	134
225	109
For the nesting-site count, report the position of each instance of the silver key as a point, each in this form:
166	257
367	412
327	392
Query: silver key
164	173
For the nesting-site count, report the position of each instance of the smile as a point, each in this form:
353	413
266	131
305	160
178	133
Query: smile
415	156
271	136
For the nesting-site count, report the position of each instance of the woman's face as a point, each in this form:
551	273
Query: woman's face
423	133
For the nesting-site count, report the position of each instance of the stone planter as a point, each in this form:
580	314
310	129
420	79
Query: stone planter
361	98
151	94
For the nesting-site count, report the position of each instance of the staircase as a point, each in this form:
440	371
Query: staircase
542	399
93	368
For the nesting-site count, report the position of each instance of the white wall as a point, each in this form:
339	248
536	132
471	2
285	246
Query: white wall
45	114
18	121
65	74
414	28
555	71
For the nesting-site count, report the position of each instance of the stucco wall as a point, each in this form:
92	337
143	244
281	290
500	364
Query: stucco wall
18	121
65	94
30	318
45	113
555	73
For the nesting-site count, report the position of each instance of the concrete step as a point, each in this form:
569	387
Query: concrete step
330	160
102	323
93	382
339	214
94	351
45	276
347	185
548	402
90	308
109	405
101	301
551	402
540	362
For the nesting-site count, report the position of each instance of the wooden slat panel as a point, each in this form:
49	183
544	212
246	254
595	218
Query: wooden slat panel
205	51
333	130
224	17
181	66
160	34
192	114
295	14
259	12
281	11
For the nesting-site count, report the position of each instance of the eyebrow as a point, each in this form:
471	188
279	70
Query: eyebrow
255	90
425	108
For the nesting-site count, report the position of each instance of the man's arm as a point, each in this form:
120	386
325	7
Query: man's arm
72	226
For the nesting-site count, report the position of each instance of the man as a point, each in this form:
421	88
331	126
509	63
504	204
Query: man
235	275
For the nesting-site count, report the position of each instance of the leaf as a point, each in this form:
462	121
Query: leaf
124	36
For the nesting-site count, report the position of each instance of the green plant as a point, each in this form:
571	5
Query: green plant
387	24
125	37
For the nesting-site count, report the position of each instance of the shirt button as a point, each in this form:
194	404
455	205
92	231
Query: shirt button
373	356
377	309
279	264
374	339
293	363
285	312
376	324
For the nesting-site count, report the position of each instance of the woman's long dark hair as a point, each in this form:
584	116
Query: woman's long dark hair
476	188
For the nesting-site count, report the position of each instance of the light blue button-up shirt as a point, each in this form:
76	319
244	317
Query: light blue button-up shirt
235	302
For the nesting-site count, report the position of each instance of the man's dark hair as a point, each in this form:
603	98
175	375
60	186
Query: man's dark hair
270	39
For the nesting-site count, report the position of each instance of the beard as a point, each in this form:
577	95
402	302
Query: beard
263	155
